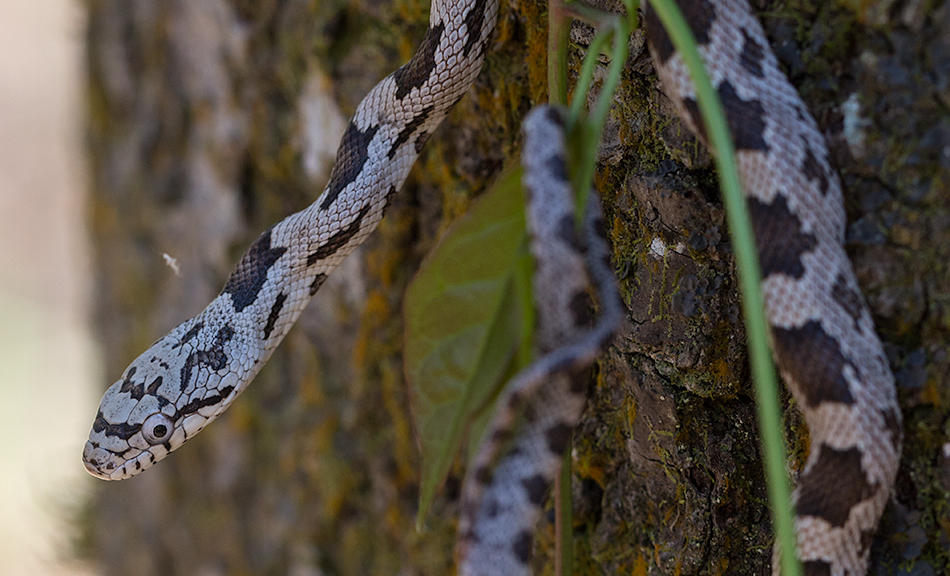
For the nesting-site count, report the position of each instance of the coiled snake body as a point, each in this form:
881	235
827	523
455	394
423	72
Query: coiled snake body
822	333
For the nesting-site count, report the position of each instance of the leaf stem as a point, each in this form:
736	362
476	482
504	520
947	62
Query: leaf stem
559	33
564	518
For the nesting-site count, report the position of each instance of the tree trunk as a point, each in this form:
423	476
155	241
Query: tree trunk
210	120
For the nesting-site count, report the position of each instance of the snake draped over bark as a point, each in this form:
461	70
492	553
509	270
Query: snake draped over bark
822	333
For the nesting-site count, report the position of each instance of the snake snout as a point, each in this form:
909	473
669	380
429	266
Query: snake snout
91	468
98	462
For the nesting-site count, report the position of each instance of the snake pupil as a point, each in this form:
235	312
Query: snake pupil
159	431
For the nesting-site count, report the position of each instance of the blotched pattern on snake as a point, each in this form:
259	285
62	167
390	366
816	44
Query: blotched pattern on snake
822	334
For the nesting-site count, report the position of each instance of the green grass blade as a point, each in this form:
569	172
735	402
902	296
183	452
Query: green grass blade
769	414
579	97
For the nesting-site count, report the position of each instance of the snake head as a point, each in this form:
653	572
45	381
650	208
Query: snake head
166	396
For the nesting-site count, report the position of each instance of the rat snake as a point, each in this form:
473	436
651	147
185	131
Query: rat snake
822	333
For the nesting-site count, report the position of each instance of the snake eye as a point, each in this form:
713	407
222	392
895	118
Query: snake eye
157	428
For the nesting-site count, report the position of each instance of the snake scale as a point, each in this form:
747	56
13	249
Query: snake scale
822	333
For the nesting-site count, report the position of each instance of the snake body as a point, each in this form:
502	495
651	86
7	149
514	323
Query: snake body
822	334
507	482
191	375
823	337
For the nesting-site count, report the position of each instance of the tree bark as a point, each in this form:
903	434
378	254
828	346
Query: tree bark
210	120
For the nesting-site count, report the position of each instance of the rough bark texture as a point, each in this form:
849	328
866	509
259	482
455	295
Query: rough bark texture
202	117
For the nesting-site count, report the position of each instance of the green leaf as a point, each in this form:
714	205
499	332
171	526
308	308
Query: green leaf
465	321
519	301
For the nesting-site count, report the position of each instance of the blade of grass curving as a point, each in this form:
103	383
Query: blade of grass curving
608	25
618	58
579	97
584	136
592	130
769	414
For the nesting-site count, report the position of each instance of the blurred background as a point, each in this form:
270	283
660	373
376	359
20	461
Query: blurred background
48	360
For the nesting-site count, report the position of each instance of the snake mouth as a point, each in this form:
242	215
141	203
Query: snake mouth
108	465
101	463
92	469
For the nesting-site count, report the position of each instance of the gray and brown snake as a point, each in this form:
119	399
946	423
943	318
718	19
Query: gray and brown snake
822	334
